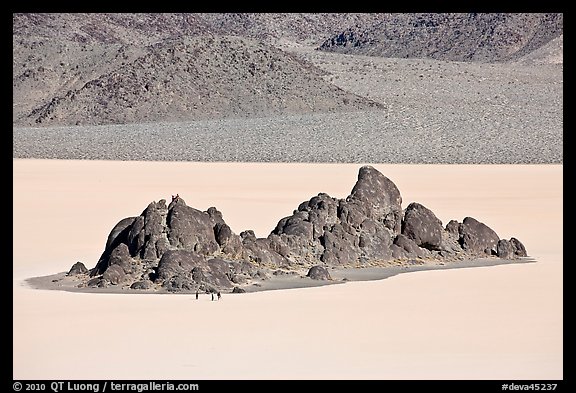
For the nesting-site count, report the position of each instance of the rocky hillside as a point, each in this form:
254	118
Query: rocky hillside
179	248
148	28
486	37
200	77
91	69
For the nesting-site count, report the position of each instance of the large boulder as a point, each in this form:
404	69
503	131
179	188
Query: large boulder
510	249
229	242
177	263
343	231
406	248
476	237
218	273
322	211
114	275
149	229
141	285
179	283
421	225
453	227
297	224
121	256
76	269
260	251
340	246
374	240
504	249
117	265
118	234
191	229
182	270
379	198
318	273
518	247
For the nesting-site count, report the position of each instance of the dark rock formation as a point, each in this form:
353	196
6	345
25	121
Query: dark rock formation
227	240
422	226
345	231
477	237
453	227
141	285
118	235
510	249
114	275
77	268
319	273
518	247
504	249
404	248
191	229
378	197
179	262
179	248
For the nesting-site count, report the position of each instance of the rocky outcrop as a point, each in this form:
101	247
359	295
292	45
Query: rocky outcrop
180	248
77	268
477	237
142	285
405	248
345	231
510	249
421	225
319	273
518	247
504	249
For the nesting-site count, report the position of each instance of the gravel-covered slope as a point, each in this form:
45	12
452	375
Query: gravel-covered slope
231	98
551	53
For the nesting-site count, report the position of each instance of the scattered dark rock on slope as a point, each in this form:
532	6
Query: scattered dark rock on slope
120	68
179	248
148	28
486	37
201	77
92	69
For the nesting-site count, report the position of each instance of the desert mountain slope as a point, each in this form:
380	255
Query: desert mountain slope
551	53
487	37
147	28
208	76
96	69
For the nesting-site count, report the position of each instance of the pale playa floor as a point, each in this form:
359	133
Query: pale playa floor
501	322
